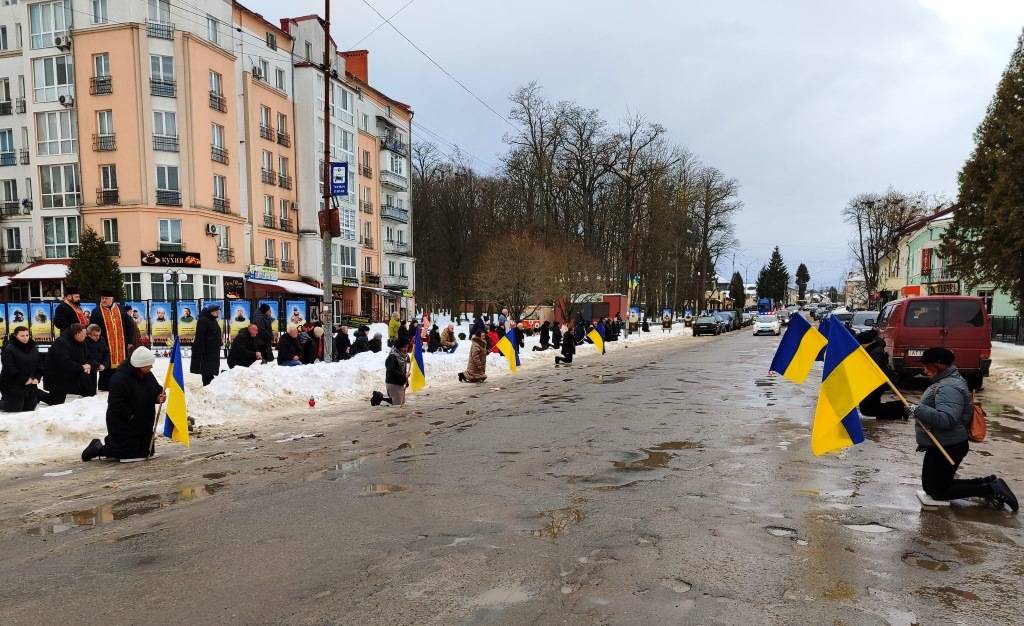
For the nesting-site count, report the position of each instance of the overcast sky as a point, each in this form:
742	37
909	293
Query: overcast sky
806	103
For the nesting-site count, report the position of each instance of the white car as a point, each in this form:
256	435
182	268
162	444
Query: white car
767	324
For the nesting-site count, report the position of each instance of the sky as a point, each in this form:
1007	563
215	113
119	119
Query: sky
805	103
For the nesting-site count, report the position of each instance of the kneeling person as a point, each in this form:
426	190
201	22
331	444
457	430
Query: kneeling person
131	410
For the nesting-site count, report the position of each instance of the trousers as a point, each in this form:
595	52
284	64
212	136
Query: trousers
872	406
938	477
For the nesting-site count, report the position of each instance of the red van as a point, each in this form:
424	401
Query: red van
911	325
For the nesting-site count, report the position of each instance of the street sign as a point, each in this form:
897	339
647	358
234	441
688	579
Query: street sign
339	179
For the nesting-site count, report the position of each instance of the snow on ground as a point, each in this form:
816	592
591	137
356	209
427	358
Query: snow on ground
258	394
1007	365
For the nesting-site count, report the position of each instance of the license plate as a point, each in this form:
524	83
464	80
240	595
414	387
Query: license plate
915	352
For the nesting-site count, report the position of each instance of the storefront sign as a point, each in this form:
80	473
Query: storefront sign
406	293
165	258
234	287
261	272
348	281
944	289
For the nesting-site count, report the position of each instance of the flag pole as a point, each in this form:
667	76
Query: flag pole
918	422
156	421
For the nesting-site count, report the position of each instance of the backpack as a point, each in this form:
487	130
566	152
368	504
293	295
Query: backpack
978	426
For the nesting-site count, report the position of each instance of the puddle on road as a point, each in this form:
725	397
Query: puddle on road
780	531
609	380
560	520
653	460
678	445
929	562
871	527
122	509
949	596
383	489
765	382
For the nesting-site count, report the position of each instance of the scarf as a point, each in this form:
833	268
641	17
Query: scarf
113	324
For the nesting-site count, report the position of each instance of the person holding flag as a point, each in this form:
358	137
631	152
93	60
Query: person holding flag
131	410
508	347
396	376
176	421
418	378
596	336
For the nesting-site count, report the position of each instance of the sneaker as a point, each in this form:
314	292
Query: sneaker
376	398
1001	493
92	450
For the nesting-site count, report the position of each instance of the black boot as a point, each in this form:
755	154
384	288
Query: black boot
558	360
92	450
1002	494
376	398
462	377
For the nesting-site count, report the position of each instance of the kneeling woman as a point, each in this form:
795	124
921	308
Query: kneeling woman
476	369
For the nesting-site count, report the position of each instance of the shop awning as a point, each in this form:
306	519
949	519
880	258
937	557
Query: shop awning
4	281
288	286
43	271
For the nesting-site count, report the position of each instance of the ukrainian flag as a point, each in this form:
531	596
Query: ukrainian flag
797	350
419	373
596	335
823	329
509	348
849	376
176	420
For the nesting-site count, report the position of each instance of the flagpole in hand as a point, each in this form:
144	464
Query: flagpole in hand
156	421
921	425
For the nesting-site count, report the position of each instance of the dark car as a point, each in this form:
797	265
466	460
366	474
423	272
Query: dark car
725	319
706	325
863	320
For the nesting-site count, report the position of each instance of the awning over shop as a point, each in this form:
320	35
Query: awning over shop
4	281
288	286
43	271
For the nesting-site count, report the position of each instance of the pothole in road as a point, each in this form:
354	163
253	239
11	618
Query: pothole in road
678	445
677	585
609	380
560	521
929	562
787	532
653	460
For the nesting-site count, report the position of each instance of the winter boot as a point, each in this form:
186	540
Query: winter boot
376	398
1002	494
462	377
558	361
92	450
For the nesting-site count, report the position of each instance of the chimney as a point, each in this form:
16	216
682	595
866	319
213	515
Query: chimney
357	64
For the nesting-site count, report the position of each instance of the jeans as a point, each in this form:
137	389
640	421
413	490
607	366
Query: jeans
451	349
938	476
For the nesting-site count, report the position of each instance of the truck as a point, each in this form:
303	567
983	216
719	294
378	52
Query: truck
765	306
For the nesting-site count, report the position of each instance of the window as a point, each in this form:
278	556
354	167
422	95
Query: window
60	235
6	146
368	265
264	69
216	83
401	237
398	164
924	314
284	208
56	132
217	137
269	246
160	11
220	184
167	180
104	123
364	122
343	261
282	165
169	232
54	77
3	38
391	268
265	116
108	177
210	287
12	238
213	29
366	158
49	20
268	161
223	237
401	270
279	79
389	234
133	286
60	186
165	124
271	40
110	231
282	123
161	67
99	11
268	206
10	190
164	289
309	51
286	251
101	65
964	313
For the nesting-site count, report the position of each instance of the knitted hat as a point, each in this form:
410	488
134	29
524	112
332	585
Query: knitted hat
142	357
942	356
867	336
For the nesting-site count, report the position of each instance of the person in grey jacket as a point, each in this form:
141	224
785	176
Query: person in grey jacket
946	410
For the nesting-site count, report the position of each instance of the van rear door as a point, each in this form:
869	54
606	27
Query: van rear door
922	328
966	331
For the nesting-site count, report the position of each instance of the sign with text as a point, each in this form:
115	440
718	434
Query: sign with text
234	287
167	258
339	179
261	272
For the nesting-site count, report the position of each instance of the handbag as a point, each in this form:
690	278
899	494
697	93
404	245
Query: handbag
978	427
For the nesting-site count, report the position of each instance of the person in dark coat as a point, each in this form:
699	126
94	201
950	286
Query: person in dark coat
545	337
246	347
362	342
403	335
478	326
342	344
21	367
265	323
520	335
289	350
97	353
119	330
131	410
568	348
872	405
376	344
207	346
67	367
434	341
69	311
556	335
307	344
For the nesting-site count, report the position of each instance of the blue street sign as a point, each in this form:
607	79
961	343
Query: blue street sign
339	179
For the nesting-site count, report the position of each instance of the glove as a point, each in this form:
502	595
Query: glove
910	409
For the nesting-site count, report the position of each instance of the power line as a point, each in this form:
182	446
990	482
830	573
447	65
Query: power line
378	26
440	67
439	137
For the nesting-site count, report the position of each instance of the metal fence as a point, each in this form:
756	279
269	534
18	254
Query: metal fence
1009	329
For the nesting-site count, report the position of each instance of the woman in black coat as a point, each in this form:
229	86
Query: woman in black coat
22	367
568	349
556	336
545	337
206	347
246	347
131	410
67	367
434	342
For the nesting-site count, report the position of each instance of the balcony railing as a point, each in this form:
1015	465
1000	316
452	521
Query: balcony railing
284	182
939	274
287	265
6	107
269	177
113	247
218	102
367	242
367	207
23	156
106	197
396	281
393	144
397	247
100	85
389	212
104	143
270	262
225	255
160	30
171	247
14	256
269	221
8	158
266	132
165	143
19	105
12	207
284	139
371	278
219	154
366	171
163	88
286	225
168	197
222	205
392	179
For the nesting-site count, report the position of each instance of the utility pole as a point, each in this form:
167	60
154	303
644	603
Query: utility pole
326	221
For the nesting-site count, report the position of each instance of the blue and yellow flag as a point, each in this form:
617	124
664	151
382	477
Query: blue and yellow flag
419	373
797	350
509	348
850	374
176	420
823	329
596	335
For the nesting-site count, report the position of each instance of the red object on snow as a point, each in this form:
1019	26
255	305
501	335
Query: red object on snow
312	402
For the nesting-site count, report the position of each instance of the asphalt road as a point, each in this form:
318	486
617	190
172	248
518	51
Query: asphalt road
665	484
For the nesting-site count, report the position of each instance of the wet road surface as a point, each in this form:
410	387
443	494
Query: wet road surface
661	484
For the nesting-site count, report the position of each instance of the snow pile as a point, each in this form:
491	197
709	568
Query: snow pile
1008	365
261	392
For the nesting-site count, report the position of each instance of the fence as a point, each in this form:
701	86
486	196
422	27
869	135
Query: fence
1009	329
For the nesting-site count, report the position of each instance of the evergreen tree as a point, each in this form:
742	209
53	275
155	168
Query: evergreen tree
985	242
737	292
833	294
773	279
802	278
92	268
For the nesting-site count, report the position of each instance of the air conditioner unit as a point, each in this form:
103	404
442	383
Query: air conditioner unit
26	203
257	73
211	229
68	101
64	43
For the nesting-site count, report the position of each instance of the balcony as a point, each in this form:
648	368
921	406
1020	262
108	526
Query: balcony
165	143
287	266
284	182
225	255
163	88
391	179
8	158
398	247
393	144
938	275
10	208
269	262
114	248
366	242
396	281
160	30
371	278
366	171
6	107
168	197
266	132
105	197
218	102
286	224
284	139
269	177
389	212
219	154
366	207
100	86
19	105
14	256
23	156
222	205
269	221
166	246
104	143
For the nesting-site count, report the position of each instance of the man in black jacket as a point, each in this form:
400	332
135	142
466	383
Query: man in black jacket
342	344
289	350
69	311
545	337
872	405
206	347
362	342
67	367
568	348
131	411
97	353
265	323
246	347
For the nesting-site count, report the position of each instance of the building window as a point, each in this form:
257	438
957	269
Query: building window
49	20
54	77
216	84
133	286
9	189
210	287
56	132
108	177
279	79
282	165
161	67
99	11
165	124
220	184
110	231
12	239
401	237
286	251
164	289
269	246
169	232
60	235
3	38
167	178
264	117
391	268
60	186
284	209
268	161
365	122
7	155
368	265
213	29
223	237
104	123
398	164
309	51
271	40
264	69
101	65
282	123
160	11
268	206
217	136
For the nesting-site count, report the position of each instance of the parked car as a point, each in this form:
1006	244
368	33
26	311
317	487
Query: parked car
862	320
767	325
733	319
724	323
706	325
783	316
911	325
746	319
843	316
